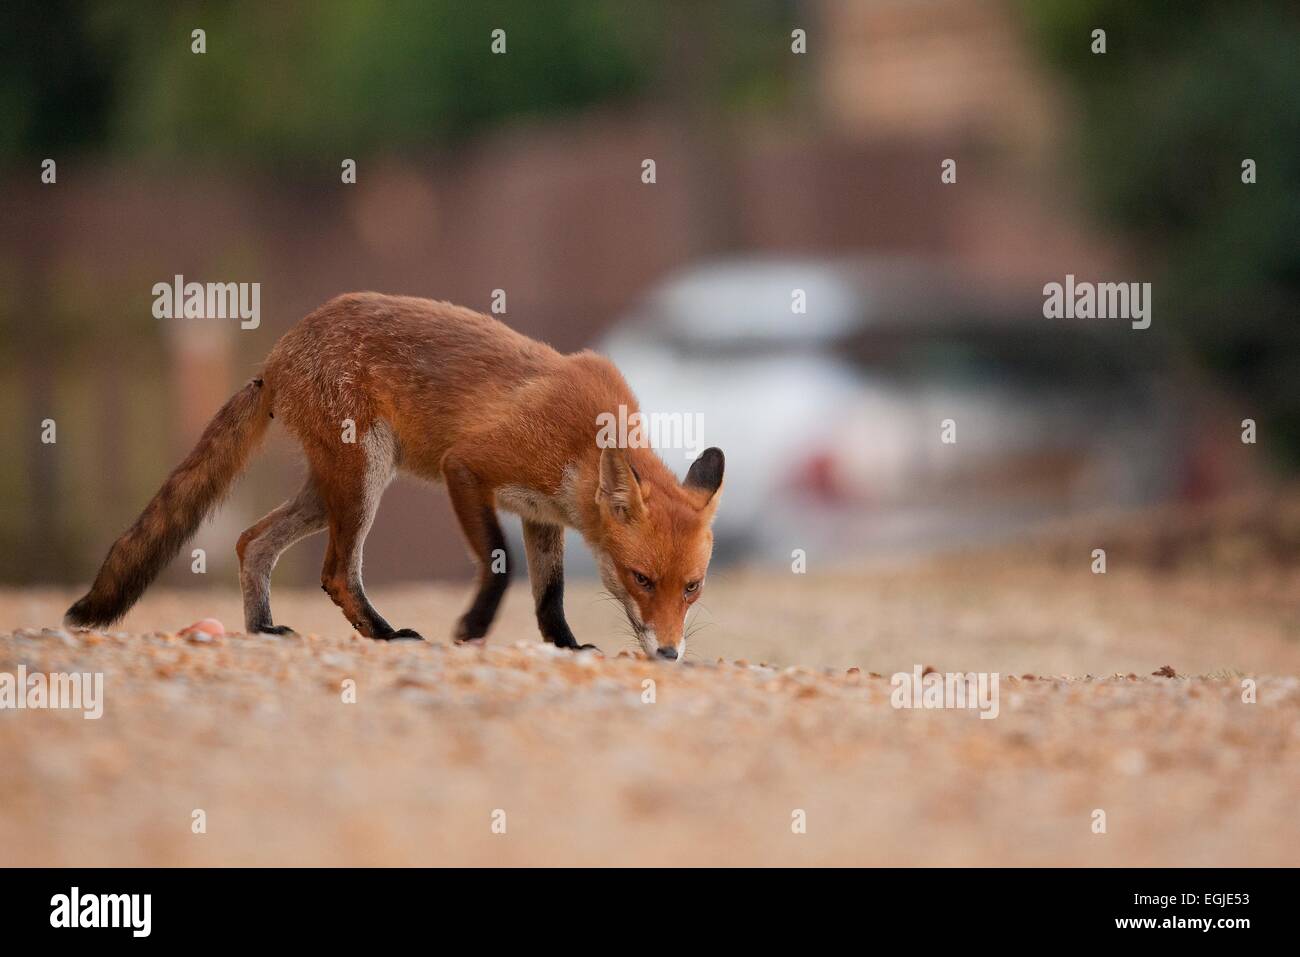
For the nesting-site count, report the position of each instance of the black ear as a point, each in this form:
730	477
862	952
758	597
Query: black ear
706	471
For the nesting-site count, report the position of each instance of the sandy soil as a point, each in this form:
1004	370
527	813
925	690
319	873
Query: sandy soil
255	731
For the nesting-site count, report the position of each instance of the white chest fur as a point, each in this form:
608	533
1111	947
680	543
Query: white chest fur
534	505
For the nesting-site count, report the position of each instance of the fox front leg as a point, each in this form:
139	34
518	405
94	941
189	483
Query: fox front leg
476	512
544	545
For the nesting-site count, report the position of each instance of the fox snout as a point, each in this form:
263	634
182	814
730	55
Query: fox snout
658	650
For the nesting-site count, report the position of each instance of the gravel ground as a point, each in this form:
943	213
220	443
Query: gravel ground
255	731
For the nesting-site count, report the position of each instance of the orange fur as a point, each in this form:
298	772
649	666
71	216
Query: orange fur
454	396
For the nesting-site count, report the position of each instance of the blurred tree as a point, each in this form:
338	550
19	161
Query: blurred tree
285	81
56	78
55	97
1184	94
295	81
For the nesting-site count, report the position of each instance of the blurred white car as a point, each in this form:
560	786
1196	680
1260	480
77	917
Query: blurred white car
832	419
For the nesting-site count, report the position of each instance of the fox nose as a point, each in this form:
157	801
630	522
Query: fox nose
669	653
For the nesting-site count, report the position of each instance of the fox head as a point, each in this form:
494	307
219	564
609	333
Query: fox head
655	542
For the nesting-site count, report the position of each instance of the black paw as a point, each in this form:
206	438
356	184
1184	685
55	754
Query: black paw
273	630
467	633
574	646
403	634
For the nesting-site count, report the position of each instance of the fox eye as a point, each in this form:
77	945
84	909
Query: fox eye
643	580
692	587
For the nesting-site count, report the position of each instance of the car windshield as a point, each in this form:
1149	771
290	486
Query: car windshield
973	356
748	306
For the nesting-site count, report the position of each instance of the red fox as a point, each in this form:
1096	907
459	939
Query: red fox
448	395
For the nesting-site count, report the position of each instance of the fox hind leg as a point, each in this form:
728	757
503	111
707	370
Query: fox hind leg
261	546
351	487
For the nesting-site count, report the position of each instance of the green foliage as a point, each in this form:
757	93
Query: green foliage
283	82
341	76
55	78
1184	94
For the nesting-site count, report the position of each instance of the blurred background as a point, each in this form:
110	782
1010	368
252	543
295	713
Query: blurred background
775	171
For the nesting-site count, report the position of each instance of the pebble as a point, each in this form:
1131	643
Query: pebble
204	626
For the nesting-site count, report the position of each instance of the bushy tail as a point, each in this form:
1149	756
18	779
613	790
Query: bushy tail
175	513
